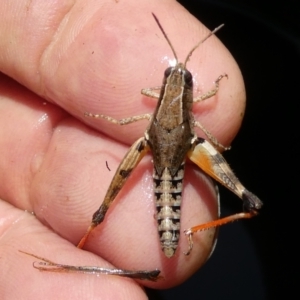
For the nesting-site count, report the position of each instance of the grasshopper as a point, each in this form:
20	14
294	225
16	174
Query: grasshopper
170	137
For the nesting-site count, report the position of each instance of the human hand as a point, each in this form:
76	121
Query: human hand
94	57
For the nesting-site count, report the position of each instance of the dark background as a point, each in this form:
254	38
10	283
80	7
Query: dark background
257	259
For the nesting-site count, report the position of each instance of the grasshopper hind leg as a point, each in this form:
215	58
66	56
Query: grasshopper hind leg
129	162
47	265
205	156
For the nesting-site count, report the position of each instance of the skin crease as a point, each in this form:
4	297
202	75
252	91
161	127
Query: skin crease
77	56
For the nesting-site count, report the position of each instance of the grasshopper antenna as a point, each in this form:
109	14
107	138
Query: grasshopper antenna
165	35
202	41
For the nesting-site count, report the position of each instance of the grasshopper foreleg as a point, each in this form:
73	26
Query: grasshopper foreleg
200	98
212	92
150	92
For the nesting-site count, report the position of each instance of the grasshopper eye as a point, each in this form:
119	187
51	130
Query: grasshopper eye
188	78
168	71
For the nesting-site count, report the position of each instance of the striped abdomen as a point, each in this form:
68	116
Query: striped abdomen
167	192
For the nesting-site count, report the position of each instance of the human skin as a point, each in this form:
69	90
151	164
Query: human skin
63	58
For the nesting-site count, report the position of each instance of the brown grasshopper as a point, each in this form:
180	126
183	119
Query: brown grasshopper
170	137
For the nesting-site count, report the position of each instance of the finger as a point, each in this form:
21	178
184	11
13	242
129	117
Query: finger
19	280
74	97
99	59
63	179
